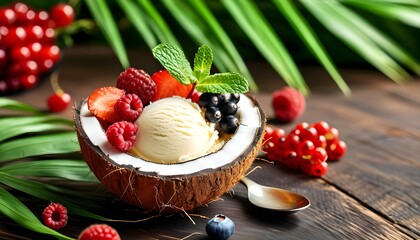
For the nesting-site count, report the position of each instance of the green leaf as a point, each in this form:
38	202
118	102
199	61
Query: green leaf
136	16
18	106
202	62
103	17
339	20
261	33
57	143
18	212
173	59
223	83
75	170
50	193
308	36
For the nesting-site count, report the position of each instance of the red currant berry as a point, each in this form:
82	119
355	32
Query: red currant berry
20	10
14	36
58	102
318	169
308	133
3	58
305	149
7	16
49	35
336	150
35	48
195	96
30	16
41	18
45	65
28	81
3	87
62	14
13	84
331	135
24	68
321	127
321	141
19	53
49	52
301	126
35	33
291	160
319	155
292	142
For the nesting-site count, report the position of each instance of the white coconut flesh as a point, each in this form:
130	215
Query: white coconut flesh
250	119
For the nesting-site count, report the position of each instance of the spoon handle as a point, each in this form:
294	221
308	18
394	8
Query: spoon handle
248	182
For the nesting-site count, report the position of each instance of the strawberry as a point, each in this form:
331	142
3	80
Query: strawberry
101	103
168	86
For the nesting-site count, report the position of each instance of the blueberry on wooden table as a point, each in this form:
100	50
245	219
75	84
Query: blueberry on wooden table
220	227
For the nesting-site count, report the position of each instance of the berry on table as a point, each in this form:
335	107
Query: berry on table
220	227
288	104
336	150
122	135
138	82
99	232
55	216
129	107
59	100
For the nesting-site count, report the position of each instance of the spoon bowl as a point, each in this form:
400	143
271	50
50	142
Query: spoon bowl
274	198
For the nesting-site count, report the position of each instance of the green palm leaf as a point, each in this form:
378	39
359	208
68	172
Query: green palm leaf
18	212
11	104
46	144
341	22
68	169
252	22
295	18
103	17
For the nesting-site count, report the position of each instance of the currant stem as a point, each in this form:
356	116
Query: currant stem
54	83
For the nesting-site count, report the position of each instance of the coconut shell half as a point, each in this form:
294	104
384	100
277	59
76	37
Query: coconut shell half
169	188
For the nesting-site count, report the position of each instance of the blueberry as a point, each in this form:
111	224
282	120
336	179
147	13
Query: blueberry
229	124
229	108
220	227
213	114
208	100
229	97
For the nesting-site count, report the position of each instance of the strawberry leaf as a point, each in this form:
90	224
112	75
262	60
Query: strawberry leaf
202	62
223	83
173	59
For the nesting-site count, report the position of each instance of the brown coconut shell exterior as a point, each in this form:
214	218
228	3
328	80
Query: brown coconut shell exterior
166	194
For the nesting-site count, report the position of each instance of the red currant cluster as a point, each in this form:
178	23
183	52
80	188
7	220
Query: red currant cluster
307	147
27	48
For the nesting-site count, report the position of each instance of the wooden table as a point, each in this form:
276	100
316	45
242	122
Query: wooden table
372	193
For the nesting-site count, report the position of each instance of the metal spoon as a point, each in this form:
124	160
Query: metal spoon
274	198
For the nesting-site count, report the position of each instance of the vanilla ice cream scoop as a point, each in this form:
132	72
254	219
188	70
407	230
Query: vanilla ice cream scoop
173	130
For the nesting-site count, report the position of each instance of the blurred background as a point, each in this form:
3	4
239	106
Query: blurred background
286	34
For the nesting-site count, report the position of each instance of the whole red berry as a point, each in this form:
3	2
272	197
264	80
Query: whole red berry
321	127
7	16
332	135
291	159
336	150
122	135
55	216
99	232
138	82
288	104
28	81
129	107
21	10
306	148
58	101
318	169
62	14
319	155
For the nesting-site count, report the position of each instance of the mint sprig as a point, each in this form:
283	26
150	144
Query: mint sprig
173	59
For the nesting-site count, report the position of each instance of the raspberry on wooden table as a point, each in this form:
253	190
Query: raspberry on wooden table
288	104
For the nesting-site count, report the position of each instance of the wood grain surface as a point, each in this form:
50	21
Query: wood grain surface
372	193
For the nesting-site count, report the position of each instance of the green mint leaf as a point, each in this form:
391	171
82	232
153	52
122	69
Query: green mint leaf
173	59
223	83
202	62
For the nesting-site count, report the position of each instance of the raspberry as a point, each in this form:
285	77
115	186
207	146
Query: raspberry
288	104
122	135
129	107
55	216
99	232
138	82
